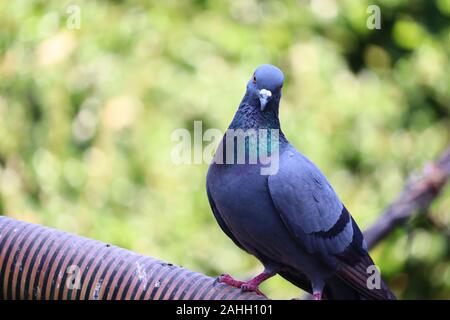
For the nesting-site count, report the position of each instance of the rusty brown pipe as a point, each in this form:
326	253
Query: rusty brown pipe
41	263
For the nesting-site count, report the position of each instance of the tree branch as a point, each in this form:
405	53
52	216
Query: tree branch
416	197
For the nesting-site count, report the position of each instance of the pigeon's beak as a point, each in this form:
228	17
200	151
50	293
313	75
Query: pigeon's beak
264	97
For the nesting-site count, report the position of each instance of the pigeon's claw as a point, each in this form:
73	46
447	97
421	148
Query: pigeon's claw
247	286
229	280
250	285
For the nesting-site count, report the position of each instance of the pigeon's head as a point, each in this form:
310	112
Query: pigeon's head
265	85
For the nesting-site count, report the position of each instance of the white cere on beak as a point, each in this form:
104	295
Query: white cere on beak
265	93
264	96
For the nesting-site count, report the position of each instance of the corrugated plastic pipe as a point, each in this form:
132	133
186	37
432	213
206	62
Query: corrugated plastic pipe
41	263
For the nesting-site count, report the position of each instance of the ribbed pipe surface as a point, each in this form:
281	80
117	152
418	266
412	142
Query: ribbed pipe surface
41	263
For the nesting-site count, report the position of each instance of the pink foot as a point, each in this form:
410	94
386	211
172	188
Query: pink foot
247	286
317	295
229	280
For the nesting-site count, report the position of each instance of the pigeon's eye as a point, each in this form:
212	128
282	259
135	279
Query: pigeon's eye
254	79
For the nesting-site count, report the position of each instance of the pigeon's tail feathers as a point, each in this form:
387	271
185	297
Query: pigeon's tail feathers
365	278
357	269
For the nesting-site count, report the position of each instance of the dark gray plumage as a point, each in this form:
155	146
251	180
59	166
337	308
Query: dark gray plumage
291	220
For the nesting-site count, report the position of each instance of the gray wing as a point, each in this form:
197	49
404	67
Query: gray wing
309	206
315	216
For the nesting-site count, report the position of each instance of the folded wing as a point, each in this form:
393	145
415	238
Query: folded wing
314	215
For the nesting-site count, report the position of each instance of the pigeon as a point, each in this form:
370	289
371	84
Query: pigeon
289	218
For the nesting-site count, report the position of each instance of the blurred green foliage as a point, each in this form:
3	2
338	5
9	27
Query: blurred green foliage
86	117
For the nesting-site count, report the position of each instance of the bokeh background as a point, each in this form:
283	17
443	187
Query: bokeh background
86	117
